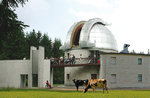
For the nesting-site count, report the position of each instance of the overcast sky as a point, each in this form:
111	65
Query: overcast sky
129	19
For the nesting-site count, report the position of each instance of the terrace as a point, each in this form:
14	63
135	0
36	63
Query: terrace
77	62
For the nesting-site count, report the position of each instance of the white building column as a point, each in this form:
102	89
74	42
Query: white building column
30	67
41	67
102	70
51	76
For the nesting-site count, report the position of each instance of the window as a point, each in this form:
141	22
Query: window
93	76
139	61
139	77
68	76
113	78
113	60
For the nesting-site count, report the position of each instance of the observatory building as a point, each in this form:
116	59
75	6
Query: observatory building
96	56
90	52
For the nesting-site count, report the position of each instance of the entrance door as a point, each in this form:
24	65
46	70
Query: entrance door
93	76
34	80
24	80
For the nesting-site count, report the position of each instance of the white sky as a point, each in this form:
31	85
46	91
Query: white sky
129	19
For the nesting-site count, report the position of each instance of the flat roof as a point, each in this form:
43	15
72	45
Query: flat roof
125	53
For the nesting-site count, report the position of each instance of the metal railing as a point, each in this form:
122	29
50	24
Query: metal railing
76	61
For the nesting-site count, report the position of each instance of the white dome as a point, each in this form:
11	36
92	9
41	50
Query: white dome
102	37
90	34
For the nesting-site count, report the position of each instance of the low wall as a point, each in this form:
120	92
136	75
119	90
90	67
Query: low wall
10	71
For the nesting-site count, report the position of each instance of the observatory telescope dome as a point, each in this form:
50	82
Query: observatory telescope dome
91	34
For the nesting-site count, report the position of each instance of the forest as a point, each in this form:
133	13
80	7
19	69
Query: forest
15	42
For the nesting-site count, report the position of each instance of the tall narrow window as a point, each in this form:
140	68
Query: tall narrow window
68	76
139	61
24	80
113	78
139	77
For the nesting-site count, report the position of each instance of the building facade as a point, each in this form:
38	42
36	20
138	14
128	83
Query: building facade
125	70
26	73
92	41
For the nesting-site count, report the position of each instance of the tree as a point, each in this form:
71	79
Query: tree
12	39
58	72
56	51
58	75
32	39
47	43
13	3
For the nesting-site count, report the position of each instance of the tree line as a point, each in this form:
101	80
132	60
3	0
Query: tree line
15	43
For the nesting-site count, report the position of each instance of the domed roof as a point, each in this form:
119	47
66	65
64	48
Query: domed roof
90	34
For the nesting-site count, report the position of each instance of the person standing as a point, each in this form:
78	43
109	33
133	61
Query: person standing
73	59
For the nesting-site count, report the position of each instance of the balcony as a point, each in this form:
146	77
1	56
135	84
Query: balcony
75	63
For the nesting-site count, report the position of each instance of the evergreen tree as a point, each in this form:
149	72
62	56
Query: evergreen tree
47	43
33	38
12	39
58	75
58	72
56	52
13	3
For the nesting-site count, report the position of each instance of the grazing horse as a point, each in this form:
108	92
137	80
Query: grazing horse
80	83
96	83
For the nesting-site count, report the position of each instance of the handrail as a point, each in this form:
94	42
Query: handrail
73	65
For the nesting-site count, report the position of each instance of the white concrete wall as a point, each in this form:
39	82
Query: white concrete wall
43	68
46	72
126	70
30	67
40	66
84	52
10	71
81	72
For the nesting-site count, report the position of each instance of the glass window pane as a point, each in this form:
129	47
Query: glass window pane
113	78
139	77
139	61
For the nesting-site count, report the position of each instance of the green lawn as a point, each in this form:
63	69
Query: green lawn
46	93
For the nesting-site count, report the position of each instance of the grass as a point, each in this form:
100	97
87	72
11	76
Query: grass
46	93
55	85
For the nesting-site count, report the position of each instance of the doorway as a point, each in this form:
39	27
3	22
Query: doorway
34	80
24	80
93	76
